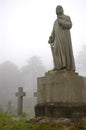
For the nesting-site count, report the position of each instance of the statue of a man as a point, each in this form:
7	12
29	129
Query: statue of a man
60	41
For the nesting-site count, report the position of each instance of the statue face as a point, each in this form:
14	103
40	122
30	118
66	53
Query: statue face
59	10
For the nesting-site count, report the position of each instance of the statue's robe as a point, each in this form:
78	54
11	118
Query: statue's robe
62	50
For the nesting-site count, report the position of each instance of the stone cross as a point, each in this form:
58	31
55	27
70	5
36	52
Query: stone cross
20	95
35	94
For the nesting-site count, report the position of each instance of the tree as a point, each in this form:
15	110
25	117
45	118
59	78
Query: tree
10	79
31	71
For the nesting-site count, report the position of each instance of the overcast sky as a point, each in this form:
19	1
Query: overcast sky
25	26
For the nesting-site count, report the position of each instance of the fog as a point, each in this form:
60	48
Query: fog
25	26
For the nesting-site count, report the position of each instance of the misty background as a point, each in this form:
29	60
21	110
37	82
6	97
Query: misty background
25	26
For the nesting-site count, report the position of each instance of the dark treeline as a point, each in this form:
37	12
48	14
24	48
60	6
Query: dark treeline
11	77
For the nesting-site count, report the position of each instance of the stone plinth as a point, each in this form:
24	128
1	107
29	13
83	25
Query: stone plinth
60	93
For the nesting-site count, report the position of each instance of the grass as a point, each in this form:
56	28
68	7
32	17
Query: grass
6	123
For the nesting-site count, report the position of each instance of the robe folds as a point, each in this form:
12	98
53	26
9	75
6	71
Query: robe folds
62	47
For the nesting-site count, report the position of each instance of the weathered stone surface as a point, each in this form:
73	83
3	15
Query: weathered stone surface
61	86
50	120
61	93
60	41
84	90
60	110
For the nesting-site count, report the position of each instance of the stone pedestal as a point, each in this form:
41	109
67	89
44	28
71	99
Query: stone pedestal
60	93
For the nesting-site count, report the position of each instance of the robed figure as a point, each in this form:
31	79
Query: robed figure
60	41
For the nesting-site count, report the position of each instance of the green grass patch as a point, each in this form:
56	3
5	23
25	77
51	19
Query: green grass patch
6	123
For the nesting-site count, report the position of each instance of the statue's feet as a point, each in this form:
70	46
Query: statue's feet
54	69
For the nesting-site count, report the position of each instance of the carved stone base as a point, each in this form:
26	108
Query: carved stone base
61	93
60	110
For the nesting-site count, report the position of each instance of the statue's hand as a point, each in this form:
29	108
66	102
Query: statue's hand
50	40
52	44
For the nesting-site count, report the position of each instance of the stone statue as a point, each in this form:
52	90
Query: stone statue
60	41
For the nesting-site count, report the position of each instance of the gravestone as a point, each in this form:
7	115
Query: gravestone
61	92
20	95
9	107
1	108
35	94
35	100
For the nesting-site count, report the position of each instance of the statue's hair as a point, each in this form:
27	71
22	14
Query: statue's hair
59	10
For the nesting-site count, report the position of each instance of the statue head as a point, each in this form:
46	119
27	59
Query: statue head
59	10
